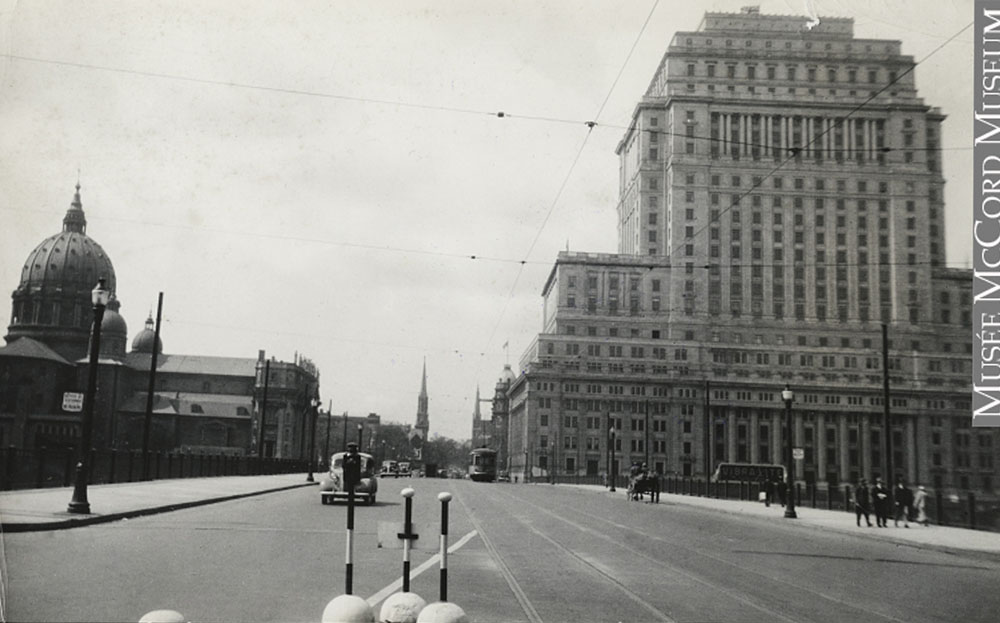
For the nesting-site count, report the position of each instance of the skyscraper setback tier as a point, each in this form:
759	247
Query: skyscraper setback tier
781	197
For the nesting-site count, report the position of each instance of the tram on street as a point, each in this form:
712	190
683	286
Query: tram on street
483	465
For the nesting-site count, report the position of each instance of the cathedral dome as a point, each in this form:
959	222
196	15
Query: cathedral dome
507	375
52	301
113	324
143	342
69	260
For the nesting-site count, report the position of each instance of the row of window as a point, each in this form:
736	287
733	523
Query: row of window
798	44
790	72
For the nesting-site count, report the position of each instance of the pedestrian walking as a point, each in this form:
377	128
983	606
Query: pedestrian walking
903	498
862	502
782	491
768	493
920	505
880	501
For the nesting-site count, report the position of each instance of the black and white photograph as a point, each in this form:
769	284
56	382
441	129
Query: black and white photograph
441	311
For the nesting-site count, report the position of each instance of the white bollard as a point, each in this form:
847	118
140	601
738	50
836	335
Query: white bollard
348	609
163	616
401	608
442	612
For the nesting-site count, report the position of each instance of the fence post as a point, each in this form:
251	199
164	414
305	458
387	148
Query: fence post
939	507
972	510
40	474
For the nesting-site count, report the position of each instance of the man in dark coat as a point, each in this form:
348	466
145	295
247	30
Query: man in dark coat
862	502
880	500
904	502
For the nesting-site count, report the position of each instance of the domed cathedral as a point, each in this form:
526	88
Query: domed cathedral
201	404
52	302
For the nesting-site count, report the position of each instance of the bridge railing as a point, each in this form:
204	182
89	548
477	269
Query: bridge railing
55	467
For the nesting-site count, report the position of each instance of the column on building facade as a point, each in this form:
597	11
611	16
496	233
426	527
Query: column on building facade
849	139
725	134
819	447
745	132
777	425
731	435
754	437
921	431
766	125
869	140
947	455
909	438
843	451
866	447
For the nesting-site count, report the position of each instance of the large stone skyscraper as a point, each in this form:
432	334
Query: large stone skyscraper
781	198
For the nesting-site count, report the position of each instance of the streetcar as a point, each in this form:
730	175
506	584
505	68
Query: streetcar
483	465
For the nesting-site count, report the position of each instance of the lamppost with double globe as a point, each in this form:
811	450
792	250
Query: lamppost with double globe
79	504
361	432
787	395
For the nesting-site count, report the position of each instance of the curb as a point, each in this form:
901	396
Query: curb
947	549
139	512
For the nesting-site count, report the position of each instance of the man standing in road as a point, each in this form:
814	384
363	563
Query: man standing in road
904	502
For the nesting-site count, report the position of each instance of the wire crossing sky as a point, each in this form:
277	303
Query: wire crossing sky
365	183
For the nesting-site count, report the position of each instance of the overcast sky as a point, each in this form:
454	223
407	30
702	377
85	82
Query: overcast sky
332	209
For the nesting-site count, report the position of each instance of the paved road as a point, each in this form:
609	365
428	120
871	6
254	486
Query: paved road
539	553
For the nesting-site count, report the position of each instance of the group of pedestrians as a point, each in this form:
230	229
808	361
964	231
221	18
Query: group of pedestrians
909	506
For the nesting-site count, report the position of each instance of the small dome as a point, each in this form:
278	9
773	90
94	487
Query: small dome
113	324
507	375
143	342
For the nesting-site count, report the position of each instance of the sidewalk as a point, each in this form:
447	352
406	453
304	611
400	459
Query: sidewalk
34	510
954	540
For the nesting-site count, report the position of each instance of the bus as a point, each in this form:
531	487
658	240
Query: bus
483	465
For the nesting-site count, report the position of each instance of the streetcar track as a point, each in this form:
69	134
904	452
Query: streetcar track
660	616
508	576
712	585
712	557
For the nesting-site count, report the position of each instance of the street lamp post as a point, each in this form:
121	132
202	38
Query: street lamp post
788	395
326	447
79	504
382	454
312	439
361	432
611	468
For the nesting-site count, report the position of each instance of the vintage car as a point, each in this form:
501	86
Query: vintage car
332	487
404	470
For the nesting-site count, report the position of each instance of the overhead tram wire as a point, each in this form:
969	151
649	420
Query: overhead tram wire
590	128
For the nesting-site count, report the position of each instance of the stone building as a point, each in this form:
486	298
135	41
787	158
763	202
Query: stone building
781	198
201	403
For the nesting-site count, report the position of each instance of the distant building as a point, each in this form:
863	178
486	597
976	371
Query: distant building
781	197
201	404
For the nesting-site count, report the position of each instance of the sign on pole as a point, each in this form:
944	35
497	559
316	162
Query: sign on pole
72	402
798	453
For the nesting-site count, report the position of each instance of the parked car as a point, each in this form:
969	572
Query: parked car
404	470
332	487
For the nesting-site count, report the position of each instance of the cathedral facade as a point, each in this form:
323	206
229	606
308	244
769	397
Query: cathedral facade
201	404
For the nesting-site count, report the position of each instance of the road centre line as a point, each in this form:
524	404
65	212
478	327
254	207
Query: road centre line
377	598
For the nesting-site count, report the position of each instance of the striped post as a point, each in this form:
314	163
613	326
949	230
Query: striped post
444	497
349	558
407	535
